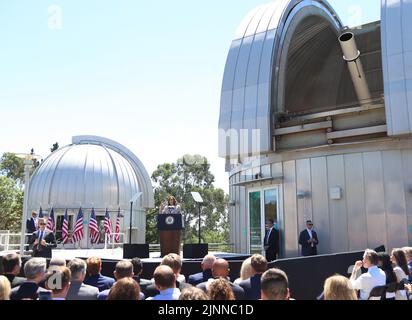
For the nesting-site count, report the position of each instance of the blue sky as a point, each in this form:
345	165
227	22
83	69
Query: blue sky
146	74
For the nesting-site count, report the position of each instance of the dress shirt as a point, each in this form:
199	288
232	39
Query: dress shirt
366	282
168	294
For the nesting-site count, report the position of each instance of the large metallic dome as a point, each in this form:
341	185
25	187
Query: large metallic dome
91	172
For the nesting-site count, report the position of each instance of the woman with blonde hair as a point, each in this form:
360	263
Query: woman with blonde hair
245	271
338	287
5	288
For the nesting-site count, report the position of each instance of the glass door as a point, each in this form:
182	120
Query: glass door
263	206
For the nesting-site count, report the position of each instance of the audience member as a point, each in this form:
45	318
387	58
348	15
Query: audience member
124	269
384	262
206	273
193	293
165	281
78	290
401	270
338	288
408	254
59	262
94	276
138	270
125	289
11	269
34	270
58	281
175	262
274	285
245	271
220	289
5	288
252	285
220	269
367	281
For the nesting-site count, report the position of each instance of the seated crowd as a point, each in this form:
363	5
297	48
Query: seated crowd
387	277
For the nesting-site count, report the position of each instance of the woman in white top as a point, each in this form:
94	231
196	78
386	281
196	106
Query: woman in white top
172	206
245	271
401	270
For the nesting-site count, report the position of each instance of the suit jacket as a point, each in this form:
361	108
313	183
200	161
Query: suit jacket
237	290
143	283
43	251
251	287
30	226
307	249
14	280
99	281
200	277
81	291
151	290
273	242
27	290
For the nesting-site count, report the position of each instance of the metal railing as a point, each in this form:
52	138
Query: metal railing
109	240
11	241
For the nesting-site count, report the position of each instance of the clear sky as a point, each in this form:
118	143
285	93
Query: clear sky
144	73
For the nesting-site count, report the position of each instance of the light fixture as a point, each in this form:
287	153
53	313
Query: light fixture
232	203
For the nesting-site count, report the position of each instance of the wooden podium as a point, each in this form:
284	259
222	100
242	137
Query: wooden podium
170	228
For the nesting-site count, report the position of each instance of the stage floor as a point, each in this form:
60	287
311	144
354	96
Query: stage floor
117	254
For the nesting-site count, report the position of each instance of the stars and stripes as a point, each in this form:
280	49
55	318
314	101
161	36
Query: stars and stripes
65	228
117	231
78	227
51	224
108	224
94	228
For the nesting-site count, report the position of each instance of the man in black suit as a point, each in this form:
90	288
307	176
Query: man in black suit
42	241
271	241
220	269
31	224
35	270
308	239
206	273
138	270
252	286
11	269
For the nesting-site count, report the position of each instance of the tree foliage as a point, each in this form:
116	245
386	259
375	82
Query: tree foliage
11	204
12	166
190	173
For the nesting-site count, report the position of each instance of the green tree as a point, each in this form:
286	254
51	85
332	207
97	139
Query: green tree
11	204
12	166
190	173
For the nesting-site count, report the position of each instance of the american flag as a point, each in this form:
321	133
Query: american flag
107	224
65	228
94	228
51	225
78	227
117	237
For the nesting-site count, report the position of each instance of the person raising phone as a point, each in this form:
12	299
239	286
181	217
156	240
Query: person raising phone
171	208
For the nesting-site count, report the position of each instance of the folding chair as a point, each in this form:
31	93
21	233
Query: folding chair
377	293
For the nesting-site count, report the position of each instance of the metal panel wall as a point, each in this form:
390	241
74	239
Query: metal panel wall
407	174
394	199
303	184
374	199
320	202
397	64
355	201
337	208
290	210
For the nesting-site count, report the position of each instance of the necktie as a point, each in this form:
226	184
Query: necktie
40	238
